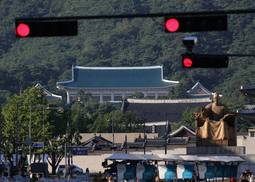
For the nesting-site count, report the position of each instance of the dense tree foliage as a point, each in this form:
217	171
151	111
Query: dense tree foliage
188	116
124	42
19	110
94	117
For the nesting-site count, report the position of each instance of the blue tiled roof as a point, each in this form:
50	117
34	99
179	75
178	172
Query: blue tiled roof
109	77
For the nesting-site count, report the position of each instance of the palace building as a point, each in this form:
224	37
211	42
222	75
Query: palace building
117	83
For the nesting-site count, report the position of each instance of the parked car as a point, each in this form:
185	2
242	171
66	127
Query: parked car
74	168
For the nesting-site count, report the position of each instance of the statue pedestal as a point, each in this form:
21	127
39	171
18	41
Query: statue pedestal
221	150
208	142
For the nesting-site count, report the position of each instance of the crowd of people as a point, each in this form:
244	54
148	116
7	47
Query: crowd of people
247	176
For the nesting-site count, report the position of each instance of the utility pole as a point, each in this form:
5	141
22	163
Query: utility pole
43	136
16	146
30	108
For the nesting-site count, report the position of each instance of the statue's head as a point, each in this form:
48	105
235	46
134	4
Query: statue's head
216	96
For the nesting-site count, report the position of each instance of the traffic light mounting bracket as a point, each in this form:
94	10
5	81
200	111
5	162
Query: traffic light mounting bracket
189	42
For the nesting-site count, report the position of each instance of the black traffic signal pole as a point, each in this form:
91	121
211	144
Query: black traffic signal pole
139	15
192	60
239	55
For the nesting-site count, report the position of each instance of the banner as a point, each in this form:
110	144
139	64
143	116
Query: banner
219	171
30	160
1	158
184	171
45	158
125	172
144	171
166	171
14	159
232	169
206	172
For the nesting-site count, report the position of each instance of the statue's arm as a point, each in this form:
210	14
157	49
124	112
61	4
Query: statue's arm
226	113
226	110
206	111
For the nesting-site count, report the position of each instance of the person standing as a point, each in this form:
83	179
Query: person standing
37	176
69	177
110	179
87	175
245	173
244	179
251	177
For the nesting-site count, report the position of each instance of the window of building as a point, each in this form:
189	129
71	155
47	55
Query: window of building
117	97
106	97
96	97
153	129
150	96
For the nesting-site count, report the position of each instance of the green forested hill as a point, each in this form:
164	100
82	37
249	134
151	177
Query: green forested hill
124	42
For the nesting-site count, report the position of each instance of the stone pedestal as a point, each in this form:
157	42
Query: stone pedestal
218	150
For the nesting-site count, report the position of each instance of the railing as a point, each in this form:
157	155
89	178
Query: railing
79	178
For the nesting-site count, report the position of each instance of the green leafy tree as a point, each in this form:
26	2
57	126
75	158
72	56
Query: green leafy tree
15	122
180	91
175	126
17	112
91	106
137	95
188	116
127	121
105	108
83	97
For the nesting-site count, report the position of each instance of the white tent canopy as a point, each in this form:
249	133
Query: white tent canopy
176	158
135	157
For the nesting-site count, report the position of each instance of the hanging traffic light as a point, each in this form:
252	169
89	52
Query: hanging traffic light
45	28
196	23
204	61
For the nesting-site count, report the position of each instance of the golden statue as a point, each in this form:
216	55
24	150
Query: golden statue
215	126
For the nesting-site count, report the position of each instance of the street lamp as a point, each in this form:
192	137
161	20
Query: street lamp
144	144
167	130
47	107
16	144
110	119
43	106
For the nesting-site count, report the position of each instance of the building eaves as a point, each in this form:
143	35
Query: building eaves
159	110
242	134
198	84
97	139
180	129
177	141
117	77
248	91
247	115
49	95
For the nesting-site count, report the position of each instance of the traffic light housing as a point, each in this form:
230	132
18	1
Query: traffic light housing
45	28
196	23
204	61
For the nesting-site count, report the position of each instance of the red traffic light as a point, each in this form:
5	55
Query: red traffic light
172	25
204	61
187	62
45	28
196	23
22	30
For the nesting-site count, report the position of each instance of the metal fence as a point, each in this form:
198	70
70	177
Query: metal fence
77	179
